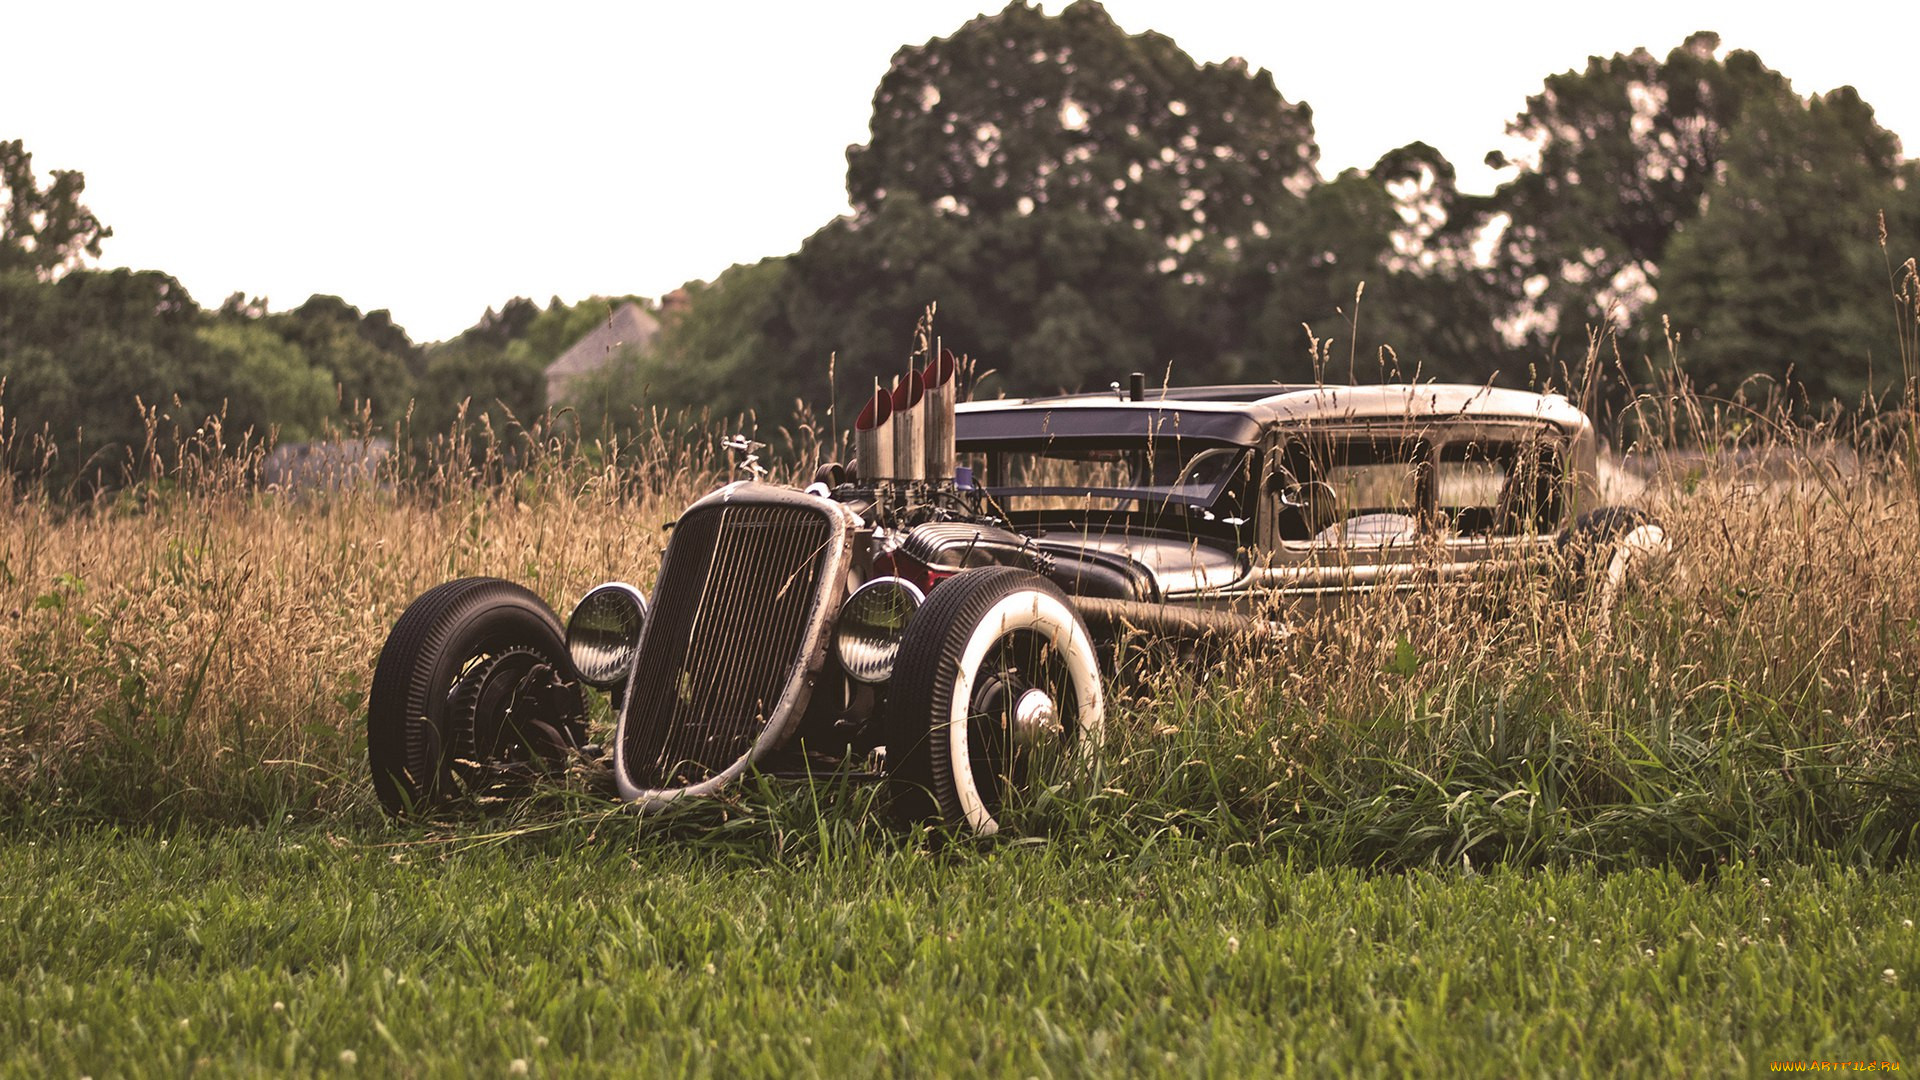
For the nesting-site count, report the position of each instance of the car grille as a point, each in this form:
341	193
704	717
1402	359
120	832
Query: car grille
736	622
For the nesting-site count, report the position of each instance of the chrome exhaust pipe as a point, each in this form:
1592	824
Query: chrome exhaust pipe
873	438
942	456
909	446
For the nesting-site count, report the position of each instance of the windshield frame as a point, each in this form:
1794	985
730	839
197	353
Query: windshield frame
1196	499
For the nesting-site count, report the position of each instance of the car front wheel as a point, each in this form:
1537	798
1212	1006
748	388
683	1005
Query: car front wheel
473	697
996	696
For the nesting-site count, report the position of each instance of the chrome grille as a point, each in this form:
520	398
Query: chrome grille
735	632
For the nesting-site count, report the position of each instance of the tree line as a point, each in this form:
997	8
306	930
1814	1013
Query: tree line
1082	202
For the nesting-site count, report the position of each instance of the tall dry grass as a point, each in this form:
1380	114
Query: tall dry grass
1756	697
192	645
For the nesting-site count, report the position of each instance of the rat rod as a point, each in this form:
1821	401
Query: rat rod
942	607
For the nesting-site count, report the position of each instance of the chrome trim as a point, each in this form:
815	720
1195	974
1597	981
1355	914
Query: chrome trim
786	713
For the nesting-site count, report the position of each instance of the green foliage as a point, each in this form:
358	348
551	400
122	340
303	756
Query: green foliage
713	350
82	350
1375	271
1071	195
80	353
1628	150
1081	202
1785	272
1021	110
1707	191
370	359
543	337
269	383
483	373
511	323
482	379
717	354
43	231
1048	299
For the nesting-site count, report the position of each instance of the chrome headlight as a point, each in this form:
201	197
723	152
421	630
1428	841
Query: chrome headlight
867	636
604	632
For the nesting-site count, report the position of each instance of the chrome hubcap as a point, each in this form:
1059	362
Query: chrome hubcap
1035	718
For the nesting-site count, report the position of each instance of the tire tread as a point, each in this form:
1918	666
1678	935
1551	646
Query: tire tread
921	692
402	745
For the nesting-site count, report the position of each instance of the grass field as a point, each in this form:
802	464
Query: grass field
850	952
1419	837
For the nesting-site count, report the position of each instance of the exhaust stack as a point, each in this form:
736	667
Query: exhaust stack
942	455
909	445
873	438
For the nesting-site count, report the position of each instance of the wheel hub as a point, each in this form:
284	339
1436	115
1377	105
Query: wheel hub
1035	718
508	719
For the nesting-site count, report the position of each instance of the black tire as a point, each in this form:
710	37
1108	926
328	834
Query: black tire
994	635
1604	550
473	696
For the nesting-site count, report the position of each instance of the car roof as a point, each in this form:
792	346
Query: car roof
1240	413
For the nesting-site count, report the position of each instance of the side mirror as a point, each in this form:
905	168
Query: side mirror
1316	500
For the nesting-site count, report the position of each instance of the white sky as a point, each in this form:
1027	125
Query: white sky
436	159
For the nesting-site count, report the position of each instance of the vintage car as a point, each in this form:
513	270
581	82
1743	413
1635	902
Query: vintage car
938	612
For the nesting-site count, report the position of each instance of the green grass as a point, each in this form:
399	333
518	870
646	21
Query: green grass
604	946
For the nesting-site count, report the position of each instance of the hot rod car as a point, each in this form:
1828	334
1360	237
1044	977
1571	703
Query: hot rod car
940	608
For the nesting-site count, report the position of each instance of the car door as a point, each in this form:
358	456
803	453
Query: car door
1502	493
1343	513
1348	512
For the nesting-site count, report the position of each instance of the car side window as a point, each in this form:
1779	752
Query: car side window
1289	470
1494	487
1347	490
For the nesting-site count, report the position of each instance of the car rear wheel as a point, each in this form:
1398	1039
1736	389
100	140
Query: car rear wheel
473	697
996	696
1611	552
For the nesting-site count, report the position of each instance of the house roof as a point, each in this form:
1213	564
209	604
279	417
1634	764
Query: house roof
630	326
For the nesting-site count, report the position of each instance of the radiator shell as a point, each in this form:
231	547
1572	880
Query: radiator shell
736	636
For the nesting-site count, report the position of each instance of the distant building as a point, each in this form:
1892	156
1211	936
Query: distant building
327	465
629	327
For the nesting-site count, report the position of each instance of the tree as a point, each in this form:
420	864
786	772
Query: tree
47	231
554	330
1709	192
1050	300
267	382
485	380
1071	195
511	323
482	371
1783	274
713	352
1022	110
78	353
369	359
1375	269
717	353
1623	156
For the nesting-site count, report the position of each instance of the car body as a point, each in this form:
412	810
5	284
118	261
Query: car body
950	631
1418	471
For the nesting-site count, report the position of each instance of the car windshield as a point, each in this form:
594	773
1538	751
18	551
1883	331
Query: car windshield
1102	476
